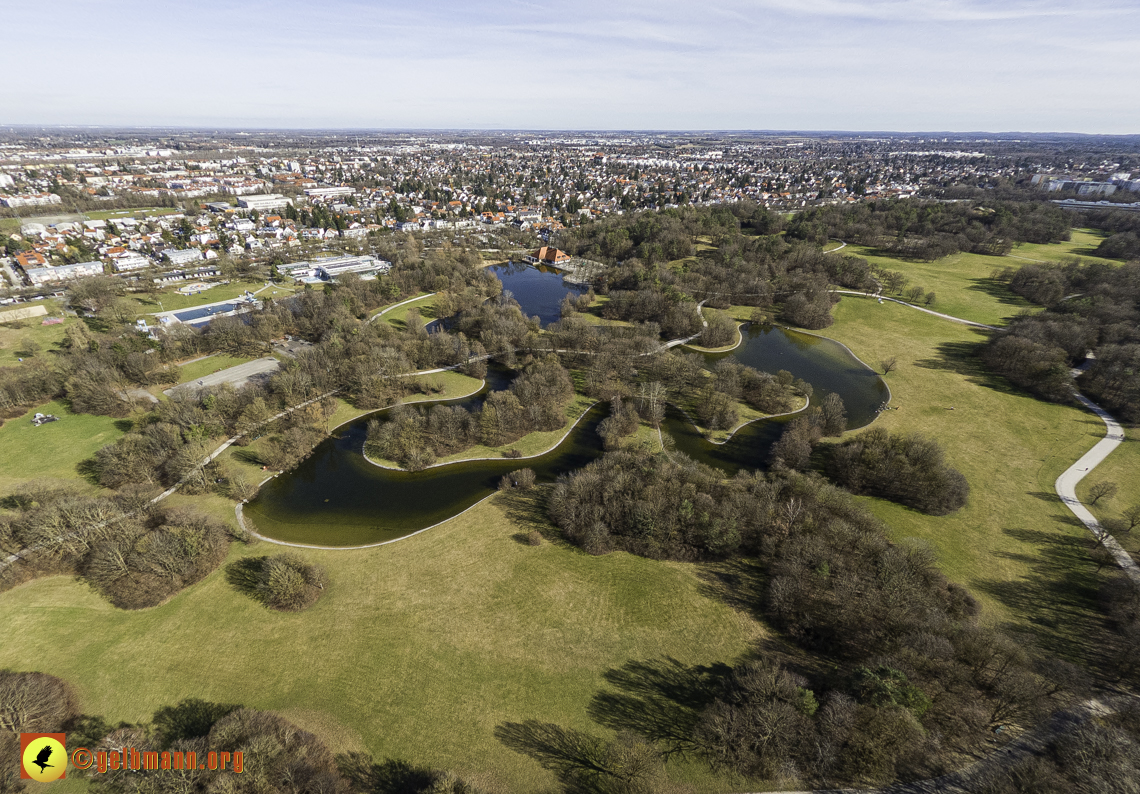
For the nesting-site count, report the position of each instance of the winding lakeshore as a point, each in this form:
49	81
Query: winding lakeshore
338	497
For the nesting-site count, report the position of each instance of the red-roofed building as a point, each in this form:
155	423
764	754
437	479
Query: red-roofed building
30	259
548	256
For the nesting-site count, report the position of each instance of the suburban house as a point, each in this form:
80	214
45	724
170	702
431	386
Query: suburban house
31	259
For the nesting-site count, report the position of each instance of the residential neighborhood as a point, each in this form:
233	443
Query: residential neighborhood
145	206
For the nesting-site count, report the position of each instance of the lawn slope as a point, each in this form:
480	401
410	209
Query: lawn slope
418	650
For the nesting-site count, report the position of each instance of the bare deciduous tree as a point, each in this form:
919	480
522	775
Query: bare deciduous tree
1102	490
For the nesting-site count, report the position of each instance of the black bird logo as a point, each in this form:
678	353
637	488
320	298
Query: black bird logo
42	757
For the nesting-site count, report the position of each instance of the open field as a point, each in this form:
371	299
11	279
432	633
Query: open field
1082	243
55	450
172	300
1021	553
397	317
960	281
142	212
417	651
47	337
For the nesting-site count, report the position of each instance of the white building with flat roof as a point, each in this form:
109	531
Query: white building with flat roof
182	257
264	201
331	268
48	275
328	192
129	262
30	200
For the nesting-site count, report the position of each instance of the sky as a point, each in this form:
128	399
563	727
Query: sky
903	65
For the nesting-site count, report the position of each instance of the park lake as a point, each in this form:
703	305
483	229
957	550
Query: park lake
336	497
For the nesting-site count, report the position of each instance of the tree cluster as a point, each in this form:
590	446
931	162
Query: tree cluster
285	582
910	469
1090	307
1100	754
134	553
932	230
30	703
915	676
536	400
794	447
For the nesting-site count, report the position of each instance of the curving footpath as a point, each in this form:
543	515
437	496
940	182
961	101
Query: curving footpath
882	298
387	309
1066	487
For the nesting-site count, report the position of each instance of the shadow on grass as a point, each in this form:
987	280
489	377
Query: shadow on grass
1093	252
89	469
577	759
740	583
1058	597
244	575
1000	292
247	455
124	425
900	257
385	777
660	699
963	359
527	511
97	324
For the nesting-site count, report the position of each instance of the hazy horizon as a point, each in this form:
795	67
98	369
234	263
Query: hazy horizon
946	66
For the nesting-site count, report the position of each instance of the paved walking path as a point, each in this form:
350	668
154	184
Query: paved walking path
387	309
237	375
882	298
1066	487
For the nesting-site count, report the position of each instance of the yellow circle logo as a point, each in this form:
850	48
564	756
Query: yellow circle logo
44	759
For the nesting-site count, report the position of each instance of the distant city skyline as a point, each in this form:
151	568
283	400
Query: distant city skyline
851	65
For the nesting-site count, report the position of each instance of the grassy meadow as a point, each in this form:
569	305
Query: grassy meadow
1123	468
1017	548
47	337
1081	243
961	282
53	451
420	648
396	315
